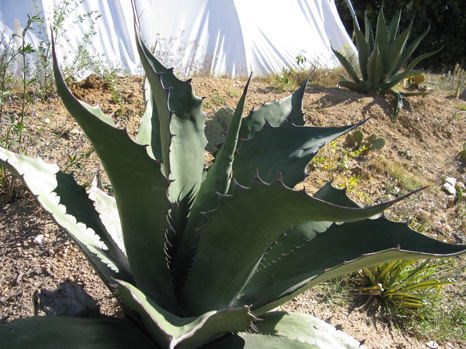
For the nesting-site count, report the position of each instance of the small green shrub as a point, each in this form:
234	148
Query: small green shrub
355	140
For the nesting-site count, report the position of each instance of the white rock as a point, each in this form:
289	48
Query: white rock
39	239
451	181
450	189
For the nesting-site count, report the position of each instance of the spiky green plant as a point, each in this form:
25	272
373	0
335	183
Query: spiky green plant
403	284
381	57
202	256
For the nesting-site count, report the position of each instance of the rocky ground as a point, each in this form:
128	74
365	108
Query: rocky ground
421	150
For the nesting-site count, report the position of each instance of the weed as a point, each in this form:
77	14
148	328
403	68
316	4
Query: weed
233	94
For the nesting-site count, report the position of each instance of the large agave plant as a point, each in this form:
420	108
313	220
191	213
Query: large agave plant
201	257
382	57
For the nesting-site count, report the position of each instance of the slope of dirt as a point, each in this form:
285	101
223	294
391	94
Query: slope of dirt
421	150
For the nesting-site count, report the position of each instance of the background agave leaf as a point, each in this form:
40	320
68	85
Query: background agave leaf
44	332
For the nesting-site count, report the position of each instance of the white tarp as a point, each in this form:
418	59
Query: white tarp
221	37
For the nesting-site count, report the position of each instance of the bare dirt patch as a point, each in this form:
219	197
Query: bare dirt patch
421	146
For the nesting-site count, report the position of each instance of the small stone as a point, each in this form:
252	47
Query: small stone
38	240
46	121
451	181
450	189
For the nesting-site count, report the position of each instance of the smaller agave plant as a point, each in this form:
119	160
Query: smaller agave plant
382	57
201	257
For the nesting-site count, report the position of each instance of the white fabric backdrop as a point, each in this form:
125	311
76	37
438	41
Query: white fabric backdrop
221	37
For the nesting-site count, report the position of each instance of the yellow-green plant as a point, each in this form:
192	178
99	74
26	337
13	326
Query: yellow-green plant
201	257
404	283
381	57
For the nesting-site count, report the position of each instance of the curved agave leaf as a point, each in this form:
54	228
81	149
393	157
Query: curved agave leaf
304	328
149	127
355	245
288	330
188	332
393	27
181	125
72	209
107	208
409	69
218	181
284	150
363	52
375	66
349	69
275	113
395	53
130	170
44	332
381	36
241	229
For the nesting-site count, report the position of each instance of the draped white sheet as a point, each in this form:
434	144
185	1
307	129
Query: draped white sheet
220	37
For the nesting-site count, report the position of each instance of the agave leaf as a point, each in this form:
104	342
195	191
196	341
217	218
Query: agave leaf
188	332
363	53
355	246
285	151
287	330
181	125
71	208
218	181
393	27
140	191
409	69
369	35
43	332
275	114
107	208
149	126
395	53
375	68
381	33
304	328
349	69
241	229
407	53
